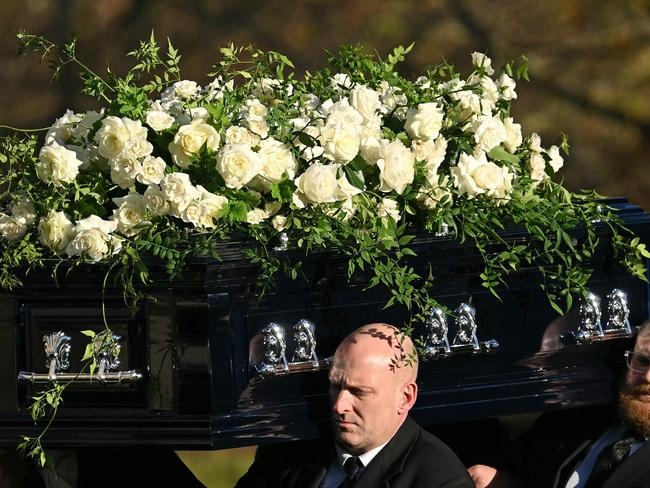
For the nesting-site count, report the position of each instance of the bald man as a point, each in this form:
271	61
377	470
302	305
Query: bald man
376	444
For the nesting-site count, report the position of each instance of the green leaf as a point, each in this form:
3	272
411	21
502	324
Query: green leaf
354	178
499	153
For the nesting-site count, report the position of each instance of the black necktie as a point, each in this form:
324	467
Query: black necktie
609	459
352	467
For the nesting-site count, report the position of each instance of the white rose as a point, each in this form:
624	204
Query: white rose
480	60
502	192
137	148
340	82
313	129
430	198
55	231
513	134
216	88
365	101
90	243
189	140
62	131
155	201
393	100
211	206
470	102
318	184
199	113
279	222
369	148
241	135
238	164
556	160
117	135
84	154
476	175
537	165
185	89
178	188
432	153
92	238
489	132
57	165
347	190
153	170
86	124
265	87
507	87
340	142
124	170
490	94
253	113
342	113
158	119
535	142
24	211
276	159
129	213
256	216
95	222
424	122
191	213
388	208
396	165
11	228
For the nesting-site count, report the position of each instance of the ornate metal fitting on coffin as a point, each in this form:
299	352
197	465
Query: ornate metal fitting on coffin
57	349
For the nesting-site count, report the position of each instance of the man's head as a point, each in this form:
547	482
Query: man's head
372	386
634	394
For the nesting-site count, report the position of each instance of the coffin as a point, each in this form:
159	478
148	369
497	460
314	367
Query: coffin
200	365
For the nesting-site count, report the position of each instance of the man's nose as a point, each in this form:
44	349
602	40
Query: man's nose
341	403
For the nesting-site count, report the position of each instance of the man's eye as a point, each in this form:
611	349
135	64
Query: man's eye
643	361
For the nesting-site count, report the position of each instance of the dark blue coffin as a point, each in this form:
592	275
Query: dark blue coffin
199	366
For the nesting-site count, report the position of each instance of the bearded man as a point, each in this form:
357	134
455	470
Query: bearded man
618	458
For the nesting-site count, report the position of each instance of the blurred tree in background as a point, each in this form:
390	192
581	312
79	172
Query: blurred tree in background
589	59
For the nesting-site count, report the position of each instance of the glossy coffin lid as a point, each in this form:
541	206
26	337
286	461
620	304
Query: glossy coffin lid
200	347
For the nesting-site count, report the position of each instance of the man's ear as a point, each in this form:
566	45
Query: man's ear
409	395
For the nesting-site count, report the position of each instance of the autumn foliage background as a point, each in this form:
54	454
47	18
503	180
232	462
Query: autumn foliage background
589	60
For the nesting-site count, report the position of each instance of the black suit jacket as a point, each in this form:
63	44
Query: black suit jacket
413	458
634	472
547	455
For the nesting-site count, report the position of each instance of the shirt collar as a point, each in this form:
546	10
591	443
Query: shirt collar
365	458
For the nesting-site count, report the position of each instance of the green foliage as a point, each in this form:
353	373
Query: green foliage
395	160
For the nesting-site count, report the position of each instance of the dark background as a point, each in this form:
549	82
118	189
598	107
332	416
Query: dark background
589	60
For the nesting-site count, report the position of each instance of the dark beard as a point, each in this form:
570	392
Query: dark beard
634	412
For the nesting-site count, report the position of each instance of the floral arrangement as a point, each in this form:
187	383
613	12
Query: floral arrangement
355	157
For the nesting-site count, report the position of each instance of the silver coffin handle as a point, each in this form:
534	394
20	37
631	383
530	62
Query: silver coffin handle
57	349
131	376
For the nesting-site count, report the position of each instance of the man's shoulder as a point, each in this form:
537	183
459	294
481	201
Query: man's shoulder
432	459
428	444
